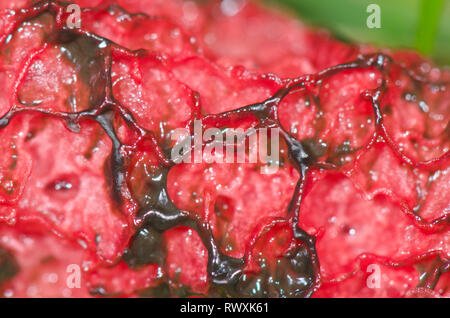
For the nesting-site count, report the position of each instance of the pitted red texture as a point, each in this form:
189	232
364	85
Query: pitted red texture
378	192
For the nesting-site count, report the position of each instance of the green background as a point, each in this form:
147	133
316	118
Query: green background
423	25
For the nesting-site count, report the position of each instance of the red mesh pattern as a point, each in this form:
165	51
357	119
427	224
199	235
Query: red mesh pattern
86	176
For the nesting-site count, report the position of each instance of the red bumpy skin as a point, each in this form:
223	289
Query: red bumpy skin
87	182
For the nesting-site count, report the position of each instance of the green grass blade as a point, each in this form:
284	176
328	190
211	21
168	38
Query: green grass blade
429	17
401	21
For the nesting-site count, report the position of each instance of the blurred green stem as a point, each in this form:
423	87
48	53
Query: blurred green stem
423	25
430	13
